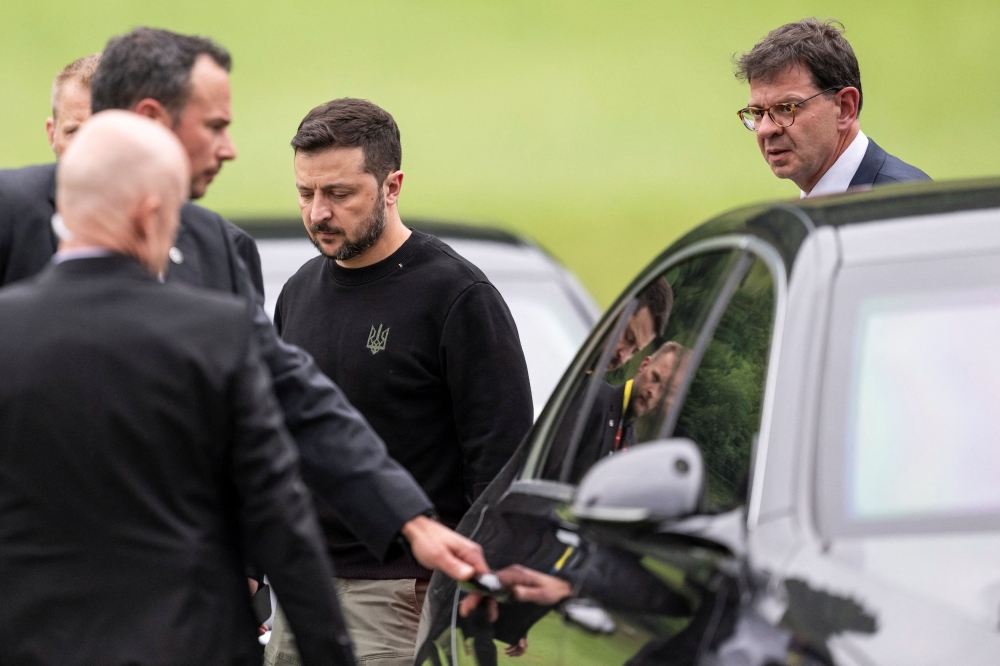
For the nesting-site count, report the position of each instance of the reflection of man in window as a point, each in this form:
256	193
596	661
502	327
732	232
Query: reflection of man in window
645	324
656	382
611	420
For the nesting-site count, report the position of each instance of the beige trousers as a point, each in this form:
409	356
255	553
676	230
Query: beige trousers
382	617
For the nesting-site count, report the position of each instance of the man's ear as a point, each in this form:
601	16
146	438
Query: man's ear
50	129
644	364
146	218
145	227
848	98
153	110
393	184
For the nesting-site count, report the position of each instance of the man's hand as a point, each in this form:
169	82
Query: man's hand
438	547
530	585
517	649
526	585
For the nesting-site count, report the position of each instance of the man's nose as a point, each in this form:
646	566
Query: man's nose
768	128
227	150
320	211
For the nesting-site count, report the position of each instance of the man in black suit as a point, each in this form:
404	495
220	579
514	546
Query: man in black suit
805	100
143	457
26	227
183	83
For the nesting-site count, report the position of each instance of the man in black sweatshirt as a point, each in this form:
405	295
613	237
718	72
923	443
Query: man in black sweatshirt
420	342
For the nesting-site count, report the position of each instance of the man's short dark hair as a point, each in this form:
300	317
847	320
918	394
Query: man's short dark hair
150	63
818	45
659	299
353	123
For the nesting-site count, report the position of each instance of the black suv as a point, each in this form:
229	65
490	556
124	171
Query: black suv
802	468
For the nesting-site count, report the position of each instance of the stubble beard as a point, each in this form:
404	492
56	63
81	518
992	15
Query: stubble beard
370	231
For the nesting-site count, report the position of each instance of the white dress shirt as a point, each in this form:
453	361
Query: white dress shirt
89	252
839	176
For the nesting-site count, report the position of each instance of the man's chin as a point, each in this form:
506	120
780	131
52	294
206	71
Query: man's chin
328	250
782	169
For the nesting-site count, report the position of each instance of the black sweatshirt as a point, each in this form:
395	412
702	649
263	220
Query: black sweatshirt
426	349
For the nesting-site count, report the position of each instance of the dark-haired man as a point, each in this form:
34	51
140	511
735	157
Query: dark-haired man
805	100
420	341
27	195
182	82
646	323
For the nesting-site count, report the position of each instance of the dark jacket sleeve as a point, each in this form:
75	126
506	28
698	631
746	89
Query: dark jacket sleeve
343	460
488	382
246	247
277	517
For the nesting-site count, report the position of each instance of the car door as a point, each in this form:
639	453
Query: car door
902	564
701	376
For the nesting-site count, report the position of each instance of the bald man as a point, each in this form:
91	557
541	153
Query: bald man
143	457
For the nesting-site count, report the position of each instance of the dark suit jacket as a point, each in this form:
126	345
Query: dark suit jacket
343	460
880	168
141	450
27	241
603	419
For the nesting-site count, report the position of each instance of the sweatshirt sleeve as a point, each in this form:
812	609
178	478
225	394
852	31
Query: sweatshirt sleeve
488	382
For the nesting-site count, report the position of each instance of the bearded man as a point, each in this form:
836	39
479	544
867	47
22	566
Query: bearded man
420	342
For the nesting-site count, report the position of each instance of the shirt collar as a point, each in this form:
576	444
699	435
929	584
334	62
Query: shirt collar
838	177
81	253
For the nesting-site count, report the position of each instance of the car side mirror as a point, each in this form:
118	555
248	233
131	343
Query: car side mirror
645	485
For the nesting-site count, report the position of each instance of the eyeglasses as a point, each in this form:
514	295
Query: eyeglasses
783	115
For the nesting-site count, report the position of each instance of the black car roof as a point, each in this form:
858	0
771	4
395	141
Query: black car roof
292	228
786	224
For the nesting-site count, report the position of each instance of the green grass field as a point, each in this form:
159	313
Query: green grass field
601	129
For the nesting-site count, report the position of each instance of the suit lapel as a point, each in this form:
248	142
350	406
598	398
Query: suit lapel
52	202
870	166
185	258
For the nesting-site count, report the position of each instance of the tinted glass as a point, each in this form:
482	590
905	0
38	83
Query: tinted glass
915	376
721	411
632	376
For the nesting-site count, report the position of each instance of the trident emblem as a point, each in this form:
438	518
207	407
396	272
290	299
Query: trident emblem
376	339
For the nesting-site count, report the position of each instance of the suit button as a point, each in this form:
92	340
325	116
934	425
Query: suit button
175	255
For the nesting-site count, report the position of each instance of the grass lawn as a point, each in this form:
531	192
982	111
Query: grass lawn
603	130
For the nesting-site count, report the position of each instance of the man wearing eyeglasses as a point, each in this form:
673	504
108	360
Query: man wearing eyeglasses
805	99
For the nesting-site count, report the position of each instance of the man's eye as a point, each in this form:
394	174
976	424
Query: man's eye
783	108
305	195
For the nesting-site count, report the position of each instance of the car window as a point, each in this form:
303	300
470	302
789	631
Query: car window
626	387
701	375
910	432
721	410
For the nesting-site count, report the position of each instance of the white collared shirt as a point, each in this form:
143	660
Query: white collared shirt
839	176
90	252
